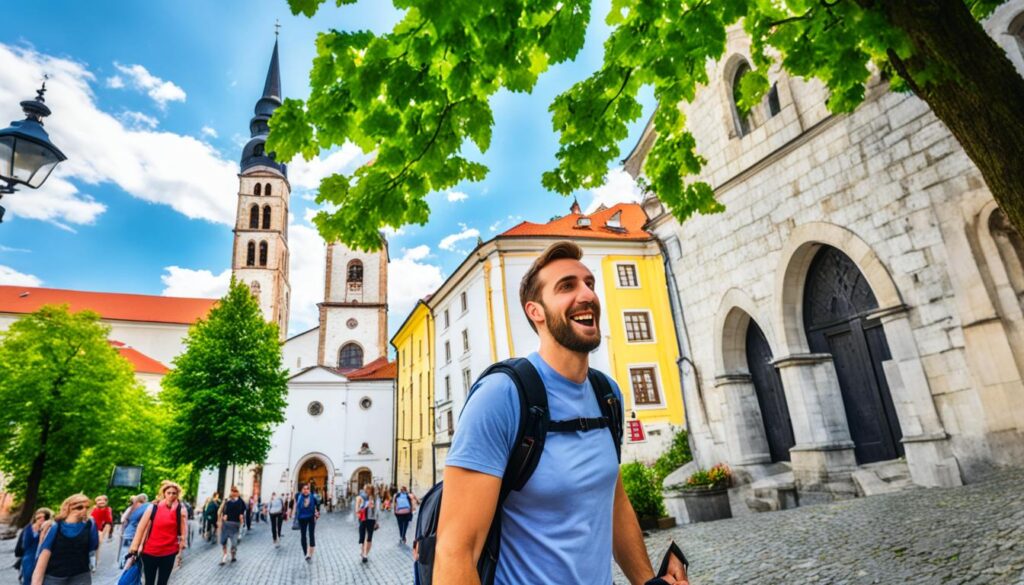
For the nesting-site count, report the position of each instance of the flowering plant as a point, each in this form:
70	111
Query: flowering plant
716	477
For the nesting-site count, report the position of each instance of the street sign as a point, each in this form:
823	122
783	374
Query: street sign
635	431
129	476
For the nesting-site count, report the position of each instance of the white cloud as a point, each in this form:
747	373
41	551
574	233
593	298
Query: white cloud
139	121
203	284
619	187
115	82
210	132
305	174
510	220
390	231
455	196
159	167
418	279
4	248
10	276
448	242
141	79
308	259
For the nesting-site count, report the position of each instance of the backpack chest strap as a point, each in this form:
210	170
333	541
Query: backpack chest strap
577	424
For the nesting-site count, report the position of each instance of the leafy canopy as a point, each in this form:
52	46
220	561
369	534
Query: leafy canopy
416	94
71	402
227	389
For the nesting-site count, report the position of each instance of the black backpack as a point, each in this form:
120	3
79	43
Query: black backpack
534	425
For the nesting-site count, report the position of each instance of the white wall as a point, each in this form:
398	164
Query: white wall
299	352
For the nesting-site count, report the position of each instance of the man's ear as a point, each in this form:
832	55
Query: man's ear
535	312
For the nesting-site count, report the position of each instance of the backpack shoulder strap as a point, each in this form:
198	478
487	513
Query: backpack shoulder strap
611	407
533	422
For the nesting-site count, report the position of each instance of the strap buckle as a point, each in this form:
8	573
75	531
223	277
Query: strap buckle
584	424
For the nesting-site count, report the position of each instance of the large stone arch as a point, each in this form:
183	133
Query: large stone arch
307	458
820	425
731	321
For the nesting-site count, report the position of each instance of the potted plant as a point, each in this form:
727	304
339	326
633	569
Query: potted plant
706	494
644	491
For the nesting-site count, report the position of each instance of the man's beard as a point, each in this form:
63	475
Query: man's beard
560	327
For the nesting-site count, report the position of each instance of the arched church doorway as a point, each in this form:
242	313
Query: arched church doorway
837	303
360	478
778	428
314	472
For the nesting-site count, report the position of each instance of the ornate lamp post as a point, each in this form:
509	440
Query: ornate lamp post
27	157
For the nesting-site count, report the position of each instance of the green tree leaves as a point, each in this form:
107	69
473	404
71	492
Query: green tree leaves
228	388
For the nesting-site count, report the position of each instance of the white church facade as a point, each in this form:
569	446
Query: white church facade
338	431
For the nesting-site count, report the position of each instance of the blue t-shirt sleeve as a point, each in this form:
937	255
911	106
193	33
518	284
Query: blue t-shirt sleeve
94	537
51	534
487	427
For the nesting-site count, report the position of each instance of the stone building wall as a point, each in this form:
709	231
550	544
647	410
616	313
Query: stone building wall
890	188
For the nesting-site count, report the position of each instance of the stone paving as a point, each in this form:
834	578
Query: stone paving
967	535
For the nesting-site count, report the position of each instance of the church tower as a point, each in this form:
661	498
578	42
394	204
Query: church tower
354	314
260	257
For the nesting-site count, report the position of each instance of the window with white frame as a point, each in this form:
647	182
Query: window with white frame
447	388
465	340
638	326
627	276
467	380
645	386
464	301
451	423
447	320
447	352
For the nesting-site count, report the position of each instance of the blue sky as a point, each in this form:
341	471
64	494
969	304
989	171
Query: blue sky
151	104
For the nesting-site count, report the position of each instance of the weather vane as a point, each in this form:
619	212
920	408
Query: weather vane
277	27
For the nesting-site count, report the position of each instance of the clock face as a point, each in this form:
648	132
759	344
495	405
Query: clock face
352	323
315	408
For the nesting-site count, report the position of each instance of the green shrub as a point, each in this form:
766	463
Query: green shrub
677	456
643	489
716	477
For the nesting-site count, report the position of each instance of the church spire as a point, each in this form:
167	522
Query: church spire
254	152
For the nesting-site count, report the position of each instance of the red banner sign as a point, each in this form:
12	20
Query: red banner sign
635	431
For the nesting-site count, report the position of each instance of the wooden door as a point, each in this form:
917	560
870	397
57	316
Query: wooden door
778	428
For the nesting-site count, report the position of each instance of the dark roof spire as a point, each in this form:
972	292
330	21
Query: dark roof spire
254	152
272	87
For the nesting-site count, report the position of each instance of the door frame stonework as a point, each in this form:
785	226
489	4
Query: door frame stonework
824	451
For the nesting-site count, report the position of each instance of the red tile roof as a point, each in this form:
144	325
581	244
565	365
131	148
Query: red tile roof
142	363
378	369
632	221
116	306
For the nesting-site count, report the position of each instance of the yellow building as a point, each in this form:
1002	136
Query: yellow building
414	429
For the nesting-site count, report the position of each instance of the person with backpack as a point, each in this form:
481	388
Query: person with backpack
161	536
130	522
307	512
210	516
366	512
552	519
28	544
404	507
231	516
65	545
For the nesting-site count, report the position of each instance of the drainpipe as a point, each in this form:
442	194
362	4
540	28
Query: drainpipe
683	345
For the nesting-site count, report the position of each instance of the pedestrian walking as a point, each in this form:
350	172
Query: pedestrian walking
161	536
130	523
103	516
66	543
231	517
276	508
367	506
404	507
29	543
307	512
210	514
248	514
496	459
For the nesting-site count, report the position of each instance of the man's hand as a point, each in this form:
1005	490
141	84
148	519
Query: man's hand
676	572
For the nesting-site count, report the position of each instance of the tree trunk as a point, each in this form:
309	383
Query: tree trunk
35	477
222	476
981	104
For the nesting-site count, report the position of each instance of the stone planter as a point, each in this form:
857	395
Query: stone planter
705	504
651	523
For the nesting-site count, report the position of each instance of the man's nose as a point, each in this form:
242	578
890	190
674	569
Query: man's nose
586	295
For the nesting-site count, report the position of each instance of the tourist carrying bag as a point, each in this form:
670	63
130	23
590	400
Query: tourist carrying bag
534	425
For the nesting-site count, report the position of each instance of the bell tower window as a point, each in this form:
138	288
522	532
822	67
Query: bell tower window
263	253
256	190
743	120
266	190
254	217
266	215
355	272
250	254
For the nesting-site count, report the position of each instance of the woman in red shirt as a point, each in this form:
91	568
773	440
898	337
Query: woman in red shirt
161	535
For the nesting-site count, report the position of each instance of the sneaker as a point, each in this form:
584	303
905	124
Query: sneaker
366	560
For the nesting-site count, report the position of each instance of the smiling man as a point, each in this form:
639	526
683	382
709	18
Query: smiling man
572	514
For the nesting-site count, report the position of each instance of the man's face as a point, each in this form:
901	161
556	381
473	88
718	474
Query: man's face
305	490
571	310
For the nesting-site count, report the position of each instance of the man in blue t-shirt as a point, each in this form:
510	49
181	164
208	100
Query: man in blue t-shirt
573	513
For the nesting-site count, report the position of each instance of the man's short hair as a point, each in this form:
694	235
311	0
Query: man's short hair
530	286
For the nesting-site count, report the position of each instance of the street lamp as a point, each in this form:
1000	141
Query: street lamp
27	157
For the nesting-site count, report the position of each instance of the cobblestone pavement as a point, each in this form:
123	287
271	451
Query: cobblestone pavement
973	534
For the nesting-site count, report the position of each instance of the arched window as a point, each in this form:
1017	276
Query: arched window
250	254
263	253
355	271
256	190
266	217
350	357
744	122
266	190
254	217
